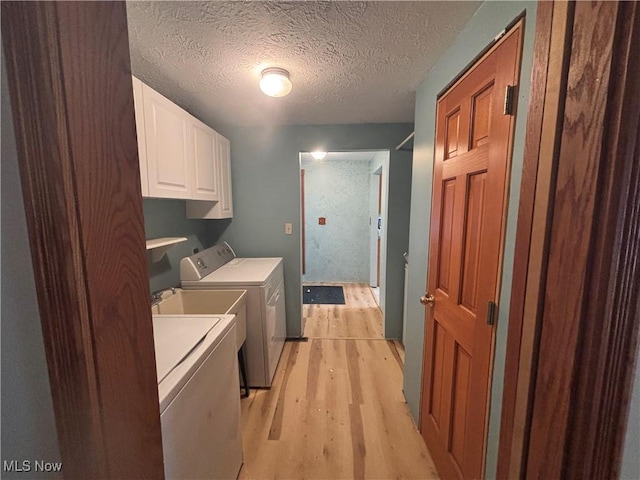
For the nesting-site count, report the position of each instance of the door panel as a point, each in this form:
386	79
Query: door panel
473	236
438	374
444	270
462	370
452	134
472	158
481	117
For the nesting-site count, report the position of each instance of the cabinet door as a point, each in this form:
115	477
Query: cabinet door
224	162
142	148
169	148
204	178
223	208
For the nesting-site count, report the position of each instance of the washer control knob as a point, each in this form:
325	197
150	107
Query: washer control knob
200	263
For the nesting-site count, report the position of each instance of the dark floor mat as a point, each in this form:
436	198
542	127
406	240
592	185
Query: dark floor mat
324	295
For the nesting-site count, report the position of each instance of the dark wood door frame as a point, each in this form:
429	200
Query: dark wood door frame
576	309
70	83
548	79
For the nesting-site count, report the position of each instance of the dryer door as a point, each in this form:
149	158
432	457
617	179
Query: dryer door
276	328
201	435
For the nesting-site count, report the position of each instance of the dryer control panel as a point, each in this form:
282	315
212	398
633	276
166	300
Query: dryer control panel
201	264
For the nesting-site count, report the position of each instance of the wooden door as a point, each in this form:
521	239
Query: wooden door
169	149
472	158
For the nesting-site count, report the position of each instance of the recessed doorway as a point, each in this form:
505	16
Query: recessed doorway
343	216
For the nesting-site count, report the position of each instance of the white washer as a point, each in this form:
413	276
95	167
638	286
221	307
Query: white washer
263	279
198	388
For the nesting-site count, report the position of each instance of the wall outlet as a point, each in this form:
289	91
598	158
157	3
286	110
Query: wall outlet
288	228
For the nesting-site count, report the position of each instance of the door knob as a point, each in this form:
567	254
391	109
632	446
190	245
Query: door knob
428	299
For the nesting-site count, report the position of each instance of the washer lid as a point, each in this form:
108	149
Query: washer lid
242	271
176	336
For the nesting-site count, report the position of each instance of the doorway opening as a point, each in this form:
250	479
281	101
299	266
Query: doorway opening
343	199
375	230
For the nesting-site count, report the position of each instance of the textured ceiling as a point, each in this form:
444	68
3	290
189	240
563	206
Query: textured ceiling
350	62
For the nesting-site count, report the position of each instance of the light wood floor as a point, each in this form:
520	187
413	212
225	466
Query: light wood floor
335	411
359	317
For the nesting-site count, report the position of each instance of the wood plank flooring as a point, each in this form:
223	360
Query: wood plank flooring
335	411
359	317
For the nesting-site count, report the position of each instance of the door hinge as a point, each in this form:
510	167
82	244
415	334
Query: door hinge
509	99
491	312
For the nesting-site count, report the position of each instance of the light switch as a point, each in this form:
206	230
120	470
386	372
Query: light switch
288	228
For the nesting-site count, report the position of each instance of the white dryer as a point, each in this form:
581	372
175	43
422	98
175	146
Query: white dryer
263	279
198	384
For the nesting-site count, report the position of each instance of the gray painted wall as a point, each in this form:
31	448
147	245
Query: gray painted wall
28	423
490	19
397	229
338	190
167	218
266	195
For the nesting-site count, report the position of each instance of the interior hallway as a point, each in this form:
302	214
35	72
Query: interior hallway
359	317
336	408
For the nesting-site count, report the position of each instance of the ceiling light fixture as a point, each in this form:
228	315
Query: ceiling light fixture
275	82
318	155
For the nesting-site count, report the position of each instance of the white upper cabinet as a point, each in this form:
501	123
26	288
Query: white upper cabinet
223	208
181	157
226	198
169	149
142	149
205	172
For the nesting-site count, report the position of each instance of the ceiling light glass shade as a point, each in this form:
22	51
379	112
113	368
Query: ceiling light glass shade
275	82
318	155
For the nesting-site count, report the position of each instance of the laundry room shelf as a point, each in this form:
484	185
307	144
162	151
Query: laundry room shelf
159	246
